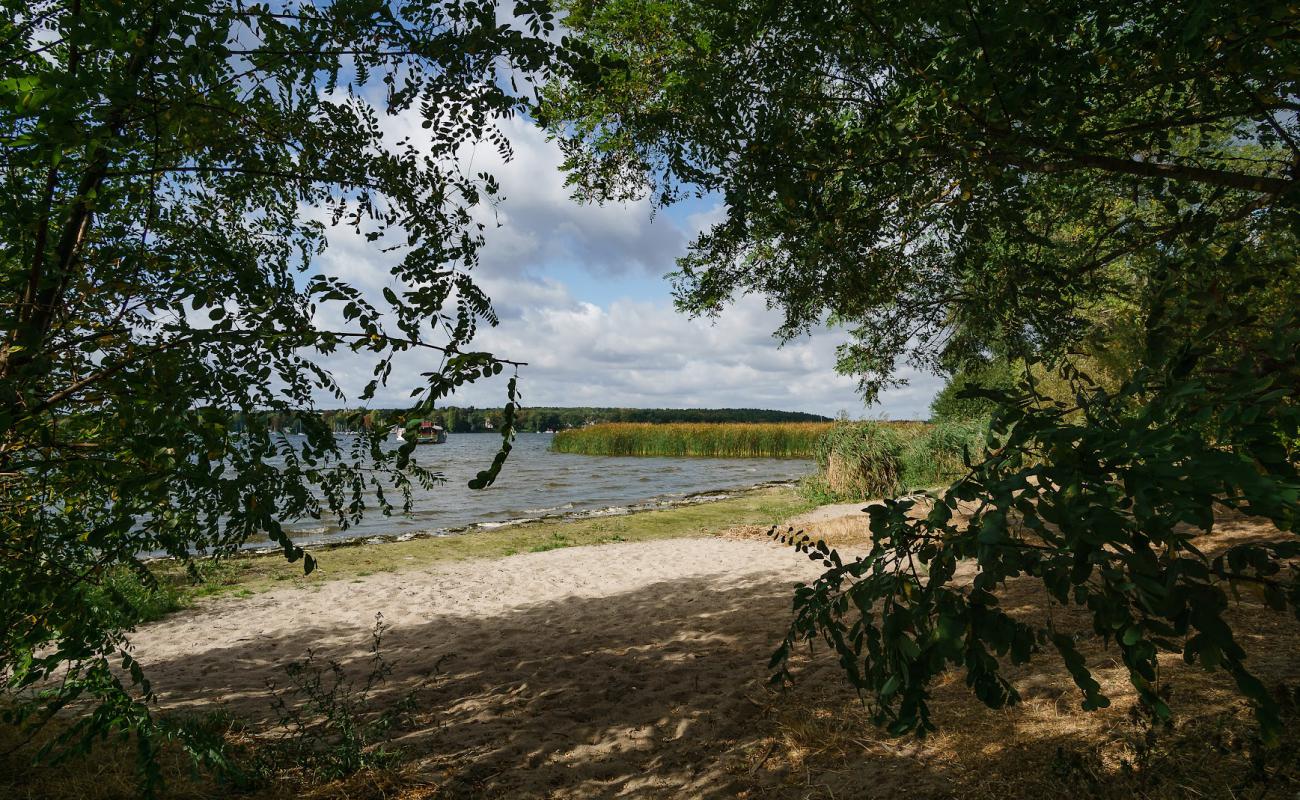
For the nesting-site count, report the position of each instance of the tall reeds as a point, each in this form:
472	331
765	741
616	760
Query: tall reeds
723	440
869	460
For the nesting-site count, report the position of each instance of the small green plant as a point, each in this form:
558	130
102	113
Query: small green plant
132	597
555	542
207	739
1149	729
327	726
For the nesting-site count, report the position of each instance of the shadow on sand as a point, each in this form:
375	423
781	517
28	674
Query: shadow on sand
647	694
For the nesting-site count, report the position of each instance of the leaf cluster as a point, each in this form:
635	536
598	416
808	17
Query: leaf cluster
946	181
1047	185
1108	501
172	173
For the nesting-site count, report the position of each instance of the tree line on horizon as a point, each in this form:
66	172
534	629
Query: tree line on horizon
469	419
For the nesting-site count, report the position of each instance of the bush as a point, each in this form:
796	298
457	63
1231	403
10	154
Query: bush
329	726
939	456
857	461
951	405
869	460
1109	503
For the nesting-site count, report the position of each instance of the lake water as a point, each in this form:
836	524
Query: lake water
536	483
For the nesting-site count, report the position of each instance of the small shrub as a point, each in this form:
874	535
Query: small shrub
328	726
938	456
951	404
859	460
206	739
330	729
868	460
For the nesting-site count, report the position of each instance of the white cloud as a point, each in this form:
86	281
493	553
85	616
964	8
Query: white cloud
631	351
635	353
540	223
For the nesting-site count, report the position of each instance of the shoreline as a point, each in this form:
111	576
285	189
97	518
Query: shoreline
653	504
634	669
707	514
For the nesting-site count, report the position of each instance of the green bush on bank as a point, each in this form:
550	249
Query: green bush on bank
858	460
939	456
868	460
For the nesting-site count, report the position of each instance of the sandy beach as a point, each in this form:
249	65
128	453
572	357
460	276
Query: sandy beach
637	669
627	658
622	670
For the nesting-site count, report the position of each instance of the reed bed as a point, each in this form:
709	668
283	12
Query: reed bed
718	440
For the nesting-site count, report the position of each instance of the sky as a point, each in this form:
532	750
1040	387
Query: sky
582	298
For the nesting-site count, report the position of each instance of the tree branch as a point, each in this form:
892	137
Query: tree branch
1262	184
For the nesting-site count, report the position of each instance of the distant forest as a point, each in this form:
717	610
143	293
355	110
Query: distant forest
474	420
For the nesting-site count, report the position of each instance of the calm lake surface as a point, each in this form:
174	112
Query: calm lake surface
537	483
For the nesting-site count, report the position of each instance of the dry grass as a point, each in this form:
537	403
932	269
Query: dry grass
1044	747
110	775
822	743
847	534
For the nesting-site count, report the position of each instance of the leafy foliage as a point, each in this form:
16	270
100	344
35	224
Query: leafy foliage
171	171
952	404
123	593
947	181
1058	185
328	721
1106	509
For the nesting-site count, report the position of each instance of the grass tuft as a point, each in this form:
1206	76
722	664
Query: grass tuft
938	456
129	600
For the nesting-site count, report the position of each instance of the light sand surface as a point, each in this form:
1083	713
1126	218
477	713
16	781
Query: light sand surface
830	512
626	670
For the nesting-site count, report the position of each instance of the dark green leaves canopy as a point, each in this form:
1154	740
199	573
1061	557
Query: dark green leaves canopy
1040	183
943	178
171	170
